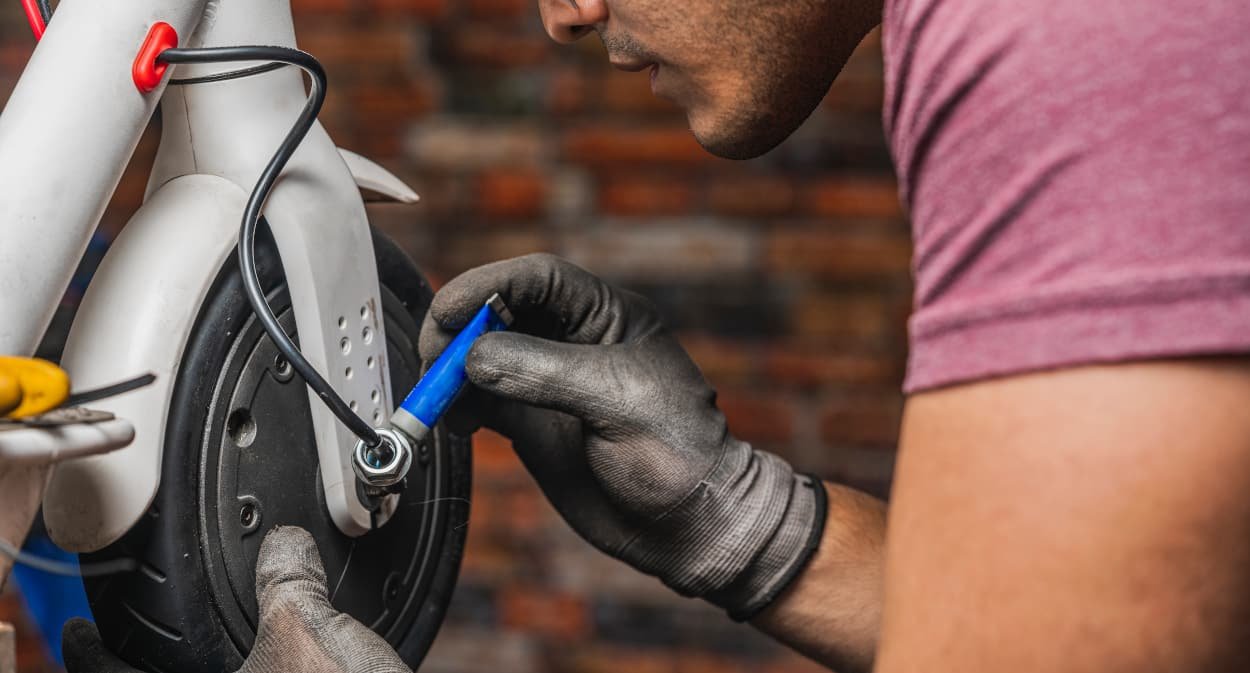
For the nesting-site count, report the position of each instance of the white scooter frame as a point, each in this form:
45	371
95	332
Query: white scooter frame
66	134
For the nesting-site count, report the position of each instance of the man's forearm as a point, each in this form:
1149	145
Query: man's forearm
832	612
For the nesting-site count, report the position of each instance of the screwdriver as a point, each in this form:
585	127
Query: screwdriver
386	464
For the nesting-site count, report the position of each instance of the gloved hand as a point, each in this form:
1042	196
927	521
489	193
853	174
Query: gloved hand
622	433
299	629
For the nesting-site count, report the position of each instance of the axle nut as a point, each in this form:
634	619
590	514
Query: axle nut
385	464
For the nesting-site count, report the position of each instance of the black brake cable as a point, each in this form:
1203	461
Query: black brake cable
278	57
224	76
256	203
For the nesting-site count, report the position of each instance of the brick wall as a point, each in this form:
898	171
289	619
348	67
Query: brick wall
786	277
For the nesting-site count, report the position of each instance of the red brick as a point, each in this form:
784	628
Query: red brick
462	254
861	94
321	6
503	510
493	457
625	145
757	418
129	194
383	113
14	54
853	198
723	362
393	106
840	318
447	144
497	47
757	196
639	195
567	92
511	194
702	662
840	255
869	421
545	612
487	559
678	250
425	9
809	367
496	10
617	660
358	51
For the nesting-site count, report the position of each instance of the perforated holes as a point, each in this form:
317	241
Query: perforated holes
364	312
375	396
377	416
353	406
345	345
348	372
370	362
367	335
342	322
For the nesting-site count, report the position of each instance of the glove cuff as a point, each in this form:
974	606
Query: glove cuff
785	556
742	535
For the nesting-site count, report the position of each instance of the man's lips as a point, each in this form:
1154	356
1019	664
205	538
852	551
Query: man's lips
631	66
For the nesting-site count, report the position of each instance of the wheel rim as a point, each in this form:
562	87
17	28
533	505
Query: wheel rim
259	469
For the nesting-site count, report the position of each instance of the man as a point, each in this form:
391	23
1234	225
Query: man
1073	483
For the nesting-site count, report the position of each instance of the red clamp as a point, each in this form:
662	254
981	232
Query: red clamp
148	71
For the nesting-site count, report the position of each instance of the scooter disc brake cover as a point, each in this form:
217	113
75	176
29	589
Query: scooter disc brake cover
262	470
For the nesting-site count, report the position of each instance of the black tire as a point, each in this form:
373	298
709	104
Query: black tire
237	437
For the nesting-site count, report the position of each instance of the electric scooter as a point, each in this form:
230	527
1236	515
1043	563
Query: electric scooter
277	347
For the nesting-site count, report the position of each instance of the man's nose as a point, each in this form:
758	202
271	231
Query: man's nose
567	21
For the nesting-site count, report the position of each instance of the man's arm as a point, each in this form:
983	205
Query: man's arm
1094	519
832	612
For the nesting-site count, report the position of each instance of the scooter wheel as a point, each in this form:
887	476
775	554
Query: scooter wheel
240	458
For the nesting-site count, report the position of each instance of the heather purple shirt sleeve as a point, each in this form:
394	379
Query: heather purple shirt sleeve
1078	175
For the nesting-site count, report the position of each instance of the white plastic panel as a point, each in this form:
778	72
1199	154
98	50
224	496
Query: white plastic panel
66	134
230	129
136	318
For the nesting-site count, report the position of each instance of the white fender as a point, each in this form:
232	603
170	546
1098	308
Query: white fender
136	317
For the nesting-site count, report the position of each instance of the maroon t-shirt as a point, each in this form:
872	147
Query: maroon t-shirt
1078	176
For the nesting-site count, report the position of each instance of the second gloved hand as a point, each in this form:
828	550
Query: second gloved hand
621	431
299	630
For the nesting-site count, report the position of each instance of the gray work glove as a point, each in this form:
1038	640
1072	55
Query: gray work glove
622	433
299	630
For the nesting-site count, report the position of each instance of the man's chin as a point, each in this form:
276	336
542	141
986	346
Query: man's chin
736	146
738	141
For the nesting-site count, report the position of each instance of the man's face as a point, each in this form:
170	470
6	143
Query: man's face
747	72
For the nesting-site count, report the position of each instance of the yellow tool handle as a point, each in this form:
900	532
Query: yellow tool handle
10	392
39	386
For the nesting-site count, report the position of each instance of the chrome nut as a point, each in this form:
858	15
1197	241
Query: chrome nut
386	464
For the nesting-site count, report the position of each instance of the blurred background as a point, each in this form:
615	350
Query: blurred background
787	278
